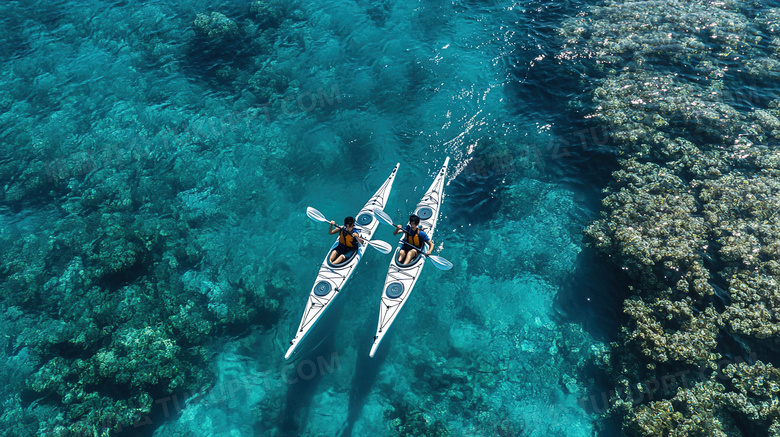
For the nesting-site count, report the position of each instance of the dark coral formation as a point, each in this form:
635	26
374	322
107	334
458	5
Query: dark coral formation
408	422
127	228
121	293
686	91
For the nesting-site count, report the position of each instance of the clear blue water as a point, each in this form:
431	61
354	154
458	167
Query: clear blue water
120	116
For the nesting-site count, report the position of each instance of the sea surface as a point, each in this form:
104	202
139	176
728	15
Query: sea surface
156	162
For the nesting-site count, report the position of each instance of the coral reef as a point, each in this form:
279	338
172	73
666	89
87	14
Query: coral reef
691	213
118	302
116	277
215	26
408	422
691	412
269	12
667	330
741	400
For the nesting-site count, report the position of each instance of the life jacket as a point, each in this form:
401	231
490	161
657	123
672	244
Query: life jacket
416	239
347	239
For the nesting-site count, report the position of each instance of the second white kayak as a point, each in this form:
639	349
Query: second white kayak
400	278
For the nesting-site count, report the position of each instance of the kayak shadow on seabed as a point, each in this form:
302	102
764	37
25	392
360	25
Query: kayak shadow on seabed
366	371
320	342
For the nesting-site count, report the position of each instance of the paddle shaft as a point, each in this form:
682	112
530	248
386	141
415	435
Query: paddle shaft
415	248
408	243
438	261
318	217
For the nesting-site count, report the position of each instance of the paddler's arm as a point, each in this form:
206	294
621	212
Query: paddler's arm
333	231
430	247
357	236
398	230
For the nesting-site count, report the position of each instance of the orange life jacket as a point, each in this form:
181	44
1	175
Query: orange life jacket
415	240
347	239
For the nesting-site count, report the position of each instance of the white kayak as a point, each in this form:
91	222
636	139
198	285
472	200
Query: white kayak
400	279
332	278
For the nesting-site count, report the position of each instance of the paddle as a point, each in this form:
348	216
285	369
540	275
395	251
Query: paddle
379	245
439	262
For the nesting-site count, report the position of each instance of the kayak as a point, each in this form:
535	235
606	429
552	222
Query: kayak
332	278
400	279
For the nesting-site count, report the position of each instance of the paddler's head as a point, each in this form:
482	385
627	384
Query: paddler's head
414	221
349	223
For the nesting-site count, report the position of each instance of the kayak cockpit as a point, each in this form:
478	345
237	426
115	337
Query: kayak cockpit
410	264
350	256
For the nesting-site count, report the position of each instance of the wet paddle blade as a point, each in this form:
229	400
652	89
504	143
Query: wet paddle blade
315	215
381	246
383	217
440	263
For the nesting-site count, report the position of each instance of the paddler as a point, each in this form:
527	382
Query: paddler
349	239
414	241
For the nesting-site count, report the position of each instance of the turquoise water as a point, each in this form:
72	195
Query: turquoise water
157	165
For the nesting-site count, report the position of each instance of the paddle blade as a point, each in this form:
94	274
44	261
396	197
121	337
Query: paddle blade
381	246
440	263
383	217
315	215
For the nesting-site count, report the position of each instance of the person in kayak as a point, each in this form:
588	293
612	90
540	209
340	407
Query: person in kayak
349	239
414	241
